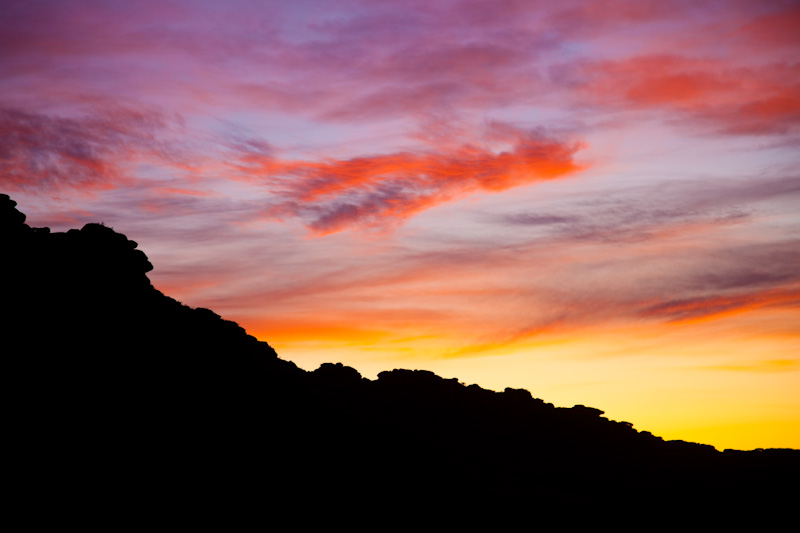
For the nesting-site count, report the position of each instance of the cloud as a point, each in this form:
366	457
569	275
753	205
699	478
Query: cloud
623	220
382	190
691	309
536	219
751	267
364	62
717	94
106	149
44	152
773	30
647	211
674	252
669	262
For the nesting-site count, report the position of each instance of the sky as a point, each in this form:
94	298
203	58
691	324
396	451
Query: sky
597	201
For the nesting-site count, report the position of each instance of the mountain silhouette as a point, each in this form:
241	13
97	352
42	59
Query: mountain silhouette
117	390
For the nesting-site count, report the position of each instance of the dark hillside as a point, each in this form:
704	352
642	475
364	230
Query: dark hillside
118	389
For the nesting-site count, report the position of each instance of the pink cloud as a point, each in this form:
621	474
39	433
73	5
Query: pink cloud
367	61
40	151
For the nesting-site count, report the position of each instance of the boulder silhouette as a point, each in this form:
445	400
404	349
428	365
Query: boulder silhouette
117	390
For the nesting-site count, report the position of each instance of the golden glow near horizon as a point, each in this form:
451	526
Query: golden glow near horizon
709	382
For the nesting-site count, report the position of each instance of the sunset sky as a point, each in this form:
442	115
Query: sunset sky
598	201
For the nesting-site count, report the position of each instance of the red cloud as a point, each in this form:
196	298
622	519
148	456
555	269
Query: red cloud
774	30
384	189
743	100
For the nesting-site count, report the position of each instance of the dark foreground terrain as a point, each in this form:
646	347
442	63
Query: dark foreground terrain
121	397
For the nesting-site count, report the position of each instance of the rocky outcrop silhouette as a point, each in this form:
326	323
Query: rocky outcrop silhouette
118	390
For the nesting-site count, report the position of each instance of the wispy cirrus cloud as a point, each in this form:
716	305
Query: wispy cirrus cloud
46	153
101	150
691	309
646	211
366	62
700	67
715	94
382	190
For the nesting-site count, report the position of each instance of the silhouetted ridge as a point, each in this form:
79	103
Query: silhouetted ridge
116	385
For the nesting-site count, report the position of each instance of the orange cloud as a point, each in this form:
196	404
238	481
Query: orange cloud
702	308
381	190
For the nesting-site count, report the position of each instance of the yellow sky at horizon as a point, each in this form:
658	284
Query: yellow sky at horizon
715	382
